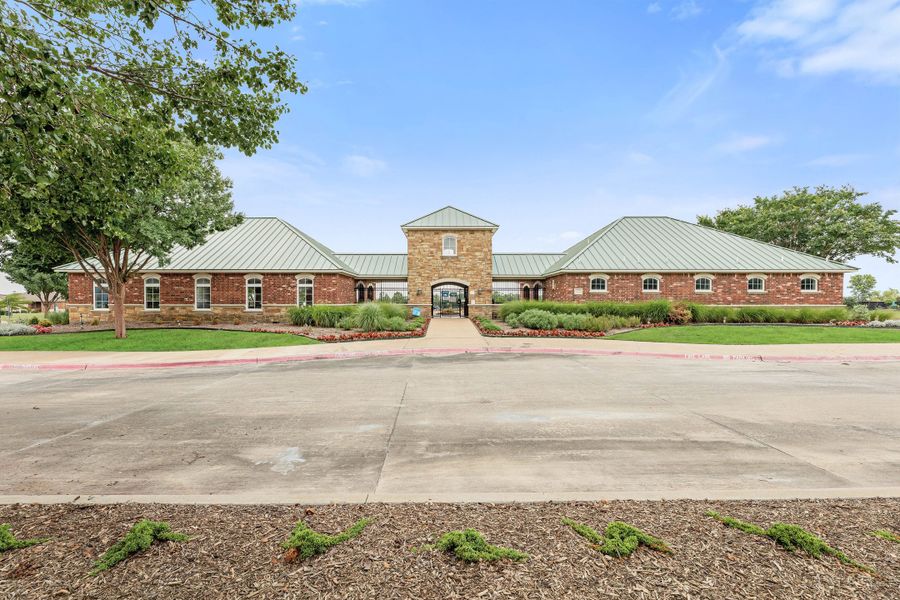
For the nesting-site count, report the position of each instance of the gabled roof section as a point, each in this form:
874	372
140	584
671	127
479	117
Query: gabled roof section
449	217
522	264
371	266
257	244
666	244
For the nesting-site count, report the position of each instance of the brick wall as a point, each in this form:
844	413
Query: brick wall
228	293
471	265
727	288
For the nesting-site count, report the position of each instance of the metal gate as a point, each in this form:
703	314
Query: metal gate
449	300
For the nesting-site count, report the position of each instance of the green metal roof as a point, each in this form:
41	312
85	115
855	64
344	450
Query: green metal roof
449	218
257	244
647	244
372	266
522	264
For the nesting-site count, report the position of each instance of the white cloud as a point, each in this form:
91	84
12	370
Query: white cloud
686	9
322	23
653	8
809	37
689	89
744	143
836	160
297	38
363	166
638	157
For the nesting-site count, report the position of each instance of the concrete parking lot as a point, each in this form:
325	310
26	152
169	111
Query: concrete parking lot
467	427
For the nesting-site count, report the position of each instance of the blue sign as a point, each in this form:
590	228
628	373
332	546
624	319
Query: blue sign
416	312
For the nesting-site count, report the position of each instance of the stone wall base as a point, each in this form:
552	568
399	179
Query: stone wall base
173	315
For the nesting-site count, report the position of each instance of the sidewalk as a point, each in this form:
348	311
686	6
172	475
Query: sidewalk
446	337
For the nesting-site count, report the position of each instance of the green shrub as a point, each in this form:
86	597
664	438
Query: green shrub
45	323
368	317
7	329
33	321
680	313
534	318
59	318
789	537
880	315
653	311
487	324
323	315
308	543
860	312
619	539
138	539
470	546
390	310
300	316
512	320
703	313
348	322
9	542
392	324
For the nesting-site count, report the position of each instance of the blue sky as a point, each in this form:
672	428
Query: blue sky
553	118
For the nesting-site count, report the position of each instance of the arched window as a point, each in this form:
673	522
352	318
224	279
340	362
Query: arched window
702	284
526	293
449	245
360	293
650	283
202	293
101	296
756	284
254	293
809	283
151	293
538	292
598	283
370	293
304	291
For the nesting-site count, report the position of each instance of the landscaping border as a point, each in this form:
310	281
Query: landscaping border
356	336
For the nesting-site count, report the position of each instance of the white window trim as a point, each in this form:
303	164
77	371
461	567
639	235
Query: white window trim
602	276
444	239
145	277
709	276
207	277
94	285
312	286
247	279
757	276
658	279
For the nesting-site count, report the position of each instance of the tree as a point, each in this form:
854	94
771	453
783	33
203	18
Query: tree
861	287
31	264
888	296
13	303
119	209
162	61
827	222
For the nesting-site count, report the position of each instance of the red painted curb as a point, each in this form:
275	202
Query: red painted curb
439	351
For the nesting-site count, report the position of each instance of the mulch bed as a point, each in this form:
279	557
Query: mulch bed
234	552
523	332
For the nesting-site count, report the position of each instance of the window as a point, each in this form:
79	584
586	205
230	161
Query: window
151	293
756	284
370	293
809	284
101	296
392	291
703	284
526	293
598	284
360	293
538	291
202	293
449	245
304	291
254	293
650	284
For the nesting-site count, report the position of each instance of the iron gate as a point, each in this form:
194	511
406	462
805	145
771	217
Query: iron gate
449	300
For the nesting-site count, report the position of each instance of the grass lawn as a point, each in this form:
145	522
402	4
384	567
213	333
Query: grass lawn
762	334
152	340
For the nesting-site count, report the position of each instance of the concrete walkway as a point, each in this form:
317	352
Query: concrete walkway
447	337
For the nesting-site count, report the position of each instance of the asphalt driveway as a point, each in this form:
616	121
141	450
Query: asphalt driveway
467	427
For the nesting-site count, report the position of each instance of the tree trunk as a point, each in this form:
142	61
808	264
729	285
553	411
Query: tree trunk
45	307
117	292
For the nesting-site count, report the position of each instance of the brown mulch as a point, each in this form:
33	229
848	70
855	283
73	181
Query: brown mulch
234	552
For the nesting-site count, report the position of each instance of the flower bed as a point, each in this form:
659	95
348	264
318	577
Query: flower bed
559	333
355	336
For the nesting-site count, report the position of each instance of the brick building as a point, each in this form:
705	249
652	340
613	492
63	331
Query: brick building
255	271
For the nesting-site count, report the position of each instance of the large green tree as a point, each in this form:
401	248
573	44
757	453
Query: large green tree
119	209
175	63
861	287
30	263
828	222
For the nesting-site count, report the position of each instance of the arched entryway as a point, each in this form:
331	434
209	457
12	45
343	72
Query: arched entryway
449	300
